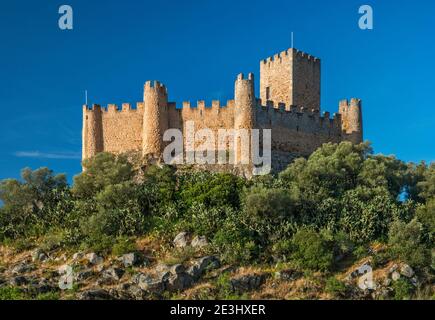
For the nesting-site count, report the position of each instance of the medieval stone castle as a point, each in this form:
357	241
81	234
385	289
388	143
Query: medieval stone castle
289	105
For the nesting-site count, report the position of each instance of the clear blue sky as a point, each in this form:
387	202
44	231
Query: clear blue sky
197	48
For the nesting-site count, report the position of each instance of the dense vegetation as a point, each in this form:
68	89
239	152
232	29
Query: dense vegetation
332	205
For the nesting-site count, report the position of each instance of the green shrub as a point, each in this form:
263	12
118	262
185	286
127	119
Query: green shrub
48	296
11	293
123	245
403	289
335	287
366	214
312	251
211	189
406	243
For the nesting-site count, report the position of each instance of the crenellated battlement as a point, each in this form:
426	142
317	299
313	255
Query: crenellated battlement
288	105
114	108
201	105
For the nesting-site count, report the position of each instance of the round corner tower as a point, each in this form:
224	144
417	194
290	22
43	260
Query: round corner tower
244	114
155	118
244	96
352	123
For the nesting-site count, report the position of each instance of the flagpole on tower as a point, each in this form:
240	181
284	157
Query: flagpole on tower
86	97
292	40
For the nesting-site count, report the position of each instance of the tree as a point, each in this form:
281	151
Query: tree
25	201
103	170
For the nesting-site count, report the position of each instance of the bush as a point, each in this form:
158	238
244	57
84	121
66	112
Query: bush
403	290
211	189
406	243
312	251
10	293
123	245
102	170
366	214
335	287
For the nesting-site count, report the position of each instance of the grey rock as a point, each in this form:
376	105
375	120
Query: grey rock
18	281
393	268
83	275
93	258
395	276
130	259
406	271
287	275
39	255
194	271
22	268
208	263
178	268
199	242
414	281
78	256
181	240
95	294
179	281
202	265
247	282
128	291
148	283
113	273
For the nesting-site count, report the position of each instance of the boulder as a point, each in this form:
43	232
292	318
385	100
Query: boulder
406	271
18	281
130	259
179	281
148	283
78	256
93	258
247	282
287	275
178	268
181	240
22	268
199	242
95	294
113	273
83	275
38	255
208	263
395	276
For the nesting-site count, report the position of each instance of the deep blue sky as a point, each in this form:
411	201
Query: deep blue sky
197	48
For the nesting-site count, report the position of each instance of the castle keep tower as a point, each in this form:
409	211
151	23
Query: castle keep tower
155	118
291	77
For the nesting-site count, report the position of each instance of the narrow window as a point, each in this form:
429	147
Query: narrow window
267	93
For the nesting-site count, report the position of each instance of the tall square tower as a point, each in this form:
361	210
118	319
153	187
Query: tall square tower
291	77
